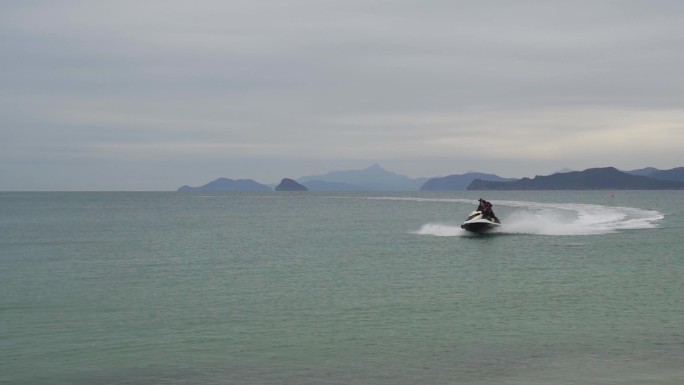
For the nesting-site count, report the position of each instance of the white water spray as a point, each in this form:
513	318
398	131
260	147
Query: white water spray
555	219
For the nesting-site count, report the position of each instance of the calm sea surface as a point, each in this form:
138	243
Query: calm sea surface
367	288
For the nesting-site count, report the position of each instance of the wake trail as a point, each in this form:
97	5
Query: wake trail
551	218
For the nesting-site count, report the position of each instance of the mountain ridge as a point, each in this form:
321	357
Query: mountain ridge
376	178
605	178
373	178
227	184
459	181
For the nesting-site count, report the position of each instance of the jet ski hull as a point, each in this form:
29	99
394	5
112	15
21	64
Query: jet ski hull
479	226
476	223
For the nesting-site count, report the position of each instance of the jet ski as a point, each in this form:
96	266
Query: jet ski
477	223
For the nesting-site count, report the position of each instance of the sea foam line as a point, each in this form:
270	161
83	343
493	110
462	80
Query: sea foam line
551	218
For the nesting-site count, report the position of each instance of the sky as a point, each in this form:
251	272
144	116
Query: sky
152	95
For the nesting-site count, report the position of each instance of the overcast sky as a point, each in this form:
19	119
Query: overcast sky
151	95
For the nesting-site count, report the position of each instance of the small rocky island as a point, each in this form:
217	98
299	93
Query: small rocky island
288	184
227	184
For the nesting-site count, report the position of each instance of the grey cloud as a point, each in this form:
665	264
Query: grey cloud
298	80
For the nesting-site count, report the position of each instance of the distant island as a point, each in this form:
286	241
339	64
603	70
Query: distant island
375	178
607	178
226	184
321	185
459	182
288	184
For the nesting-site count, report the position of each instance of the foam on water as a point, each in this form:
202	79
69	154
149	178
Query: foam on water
441	230
576	219
553	219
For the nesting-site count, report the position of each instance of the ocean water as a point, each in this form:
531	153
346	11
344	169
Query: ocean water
577	287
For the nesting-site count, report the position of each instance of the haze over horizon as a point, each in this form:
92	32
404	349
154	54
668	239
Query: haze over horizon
153	95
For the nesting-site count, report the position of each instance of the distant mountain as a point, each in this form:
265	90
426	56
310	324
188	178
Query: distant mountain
459	182
288	184
226	184
608	178
675	174
643	171
320	185
373	178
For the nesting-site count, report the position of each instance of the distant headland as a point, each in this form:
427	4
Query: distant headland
608	178
288	184
375	178
226	184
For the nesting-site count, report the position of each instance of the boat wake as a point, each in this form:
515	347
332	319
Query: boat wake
442	230
554	219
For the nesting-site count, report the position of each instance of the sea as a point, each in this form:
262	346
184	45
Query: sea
576	287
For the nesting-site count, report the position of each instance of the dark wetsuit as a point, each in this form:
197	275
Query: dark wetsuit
486	209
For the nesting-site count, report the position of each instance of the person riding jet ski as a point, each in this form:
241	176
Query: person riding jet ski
486	209
482	220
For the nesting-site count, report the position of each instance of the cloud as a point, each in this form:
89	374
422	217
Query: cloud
497	83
